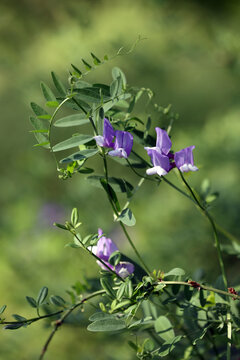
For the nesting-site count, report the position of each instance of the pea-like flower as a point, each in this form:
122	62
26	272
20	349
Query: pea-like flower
184	159
163	160
123	144
104	248
161	163
108	135
123	140
160	154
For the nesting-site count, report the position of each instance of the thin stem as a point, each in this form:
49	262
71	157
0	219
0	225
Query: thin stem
137	173
51	124
134	247
216	239
59	322
31	320
204	287
121	223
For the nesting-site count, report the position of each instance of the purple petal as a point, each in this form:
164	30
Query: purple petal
161	163
108	135
124	269
105	247
184	159
163	141
123	144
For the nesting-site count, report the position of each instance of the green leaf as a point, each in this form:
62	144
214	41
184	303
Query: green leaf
61	226
74	216
120	291
14	326
175	272
77	71
80	155
88	95
52	104
116	72
42	295
107	286
85	170
40	124
109	324
72	120
95	59
31	301
127	217
114	258
45	144
169	346
116	102
18	317
57	300
38	110
118	185
72	142
111	193
87	66
164	328
47	92
100	316
2	309
58	84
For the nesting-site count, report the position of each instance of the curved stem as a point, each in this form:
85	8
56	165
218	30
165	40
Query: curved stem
200	286
59	322
212	223
121	223
51	124
31	320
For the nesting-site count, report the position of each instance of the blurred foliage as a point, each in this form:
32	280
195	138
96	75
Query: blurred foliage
190	58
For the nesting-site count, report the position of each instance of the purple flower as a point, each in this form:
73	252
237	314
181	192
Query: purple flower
184	159
159	154
161	163
108	135
104	248
123	144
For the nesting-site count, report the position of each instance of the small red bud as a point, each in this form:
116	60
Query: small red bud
194	284
231	290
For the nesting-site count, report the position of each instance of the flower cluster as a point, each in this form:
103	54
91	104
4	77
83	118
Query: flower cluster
123	140
103	250
163	160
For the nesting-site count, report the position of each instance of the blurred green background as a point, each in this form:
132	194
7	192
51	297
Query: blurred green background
190	58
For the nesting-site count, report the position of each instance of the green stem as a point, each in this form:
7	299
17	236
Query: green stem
32	319
211	221
121	223
134	247
204	287
51	124
59	322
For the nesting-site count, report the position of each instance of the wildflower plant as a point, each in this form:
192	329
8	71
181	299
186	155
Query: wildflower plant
170	314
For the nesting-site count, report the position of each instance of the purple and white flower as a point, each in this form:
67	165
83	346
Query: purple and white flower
159	154
108	135
123	140
163	161
123	144
104	248
184	159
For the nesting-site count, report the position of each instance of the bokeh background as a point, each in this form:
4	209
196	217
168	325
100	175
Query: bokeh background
190	59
